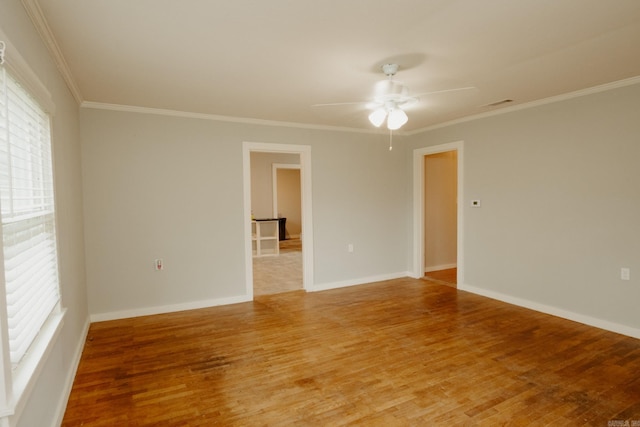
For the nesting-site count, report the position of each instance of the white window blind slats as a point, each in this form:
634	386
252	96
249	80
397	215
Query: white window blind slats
22	334
20	100
32	289
24	127
29	161
26	135
28	218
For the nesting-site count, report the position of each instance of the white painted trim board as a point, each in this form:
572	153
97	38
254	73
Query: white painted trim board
148	311
554	311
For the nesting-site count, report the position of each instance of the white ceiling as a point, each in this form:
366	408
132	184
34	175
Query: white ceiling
272	60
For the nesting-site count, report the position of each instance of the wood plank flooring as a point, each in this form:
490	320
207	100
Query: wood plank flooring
395	353
447	277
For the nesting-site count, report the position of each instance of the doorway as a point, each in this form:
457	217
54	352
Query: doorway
261	203
438	238
440	211
276	207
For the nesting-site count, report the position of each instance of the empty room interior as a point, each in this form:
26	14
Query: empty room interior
320	213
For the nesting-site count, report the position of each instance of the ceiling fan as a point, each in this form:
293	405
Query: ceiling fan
390	100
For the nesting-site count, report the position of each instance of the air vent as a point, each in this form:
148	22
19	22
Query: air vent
495	104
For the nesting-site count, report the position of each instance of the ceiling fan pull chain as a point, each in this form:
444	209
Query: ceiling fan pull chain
390	139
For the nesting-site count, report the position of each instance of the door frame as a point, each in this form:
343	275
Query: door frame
418	207
307	223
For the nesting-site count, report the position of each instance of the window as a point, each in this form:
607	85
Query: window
31	313
28	216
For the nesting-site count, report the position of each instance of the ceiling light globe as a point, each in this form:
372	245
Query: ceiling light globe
377	117
396	119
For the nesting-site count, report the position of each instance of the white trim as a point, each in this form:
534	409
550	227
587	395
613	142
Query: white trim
430	268
247	219
42	26
274	183
418	207
307	209
220	118
148	311
68	385
29	369
550	100
6	375
361	281
554	311
21	71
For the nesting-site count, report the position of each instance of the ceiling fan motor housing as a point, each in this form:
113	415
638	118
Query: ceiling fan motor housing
390	69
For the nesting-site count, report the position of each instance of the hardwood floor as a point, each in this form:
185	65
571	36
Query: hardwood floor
447	277
395	353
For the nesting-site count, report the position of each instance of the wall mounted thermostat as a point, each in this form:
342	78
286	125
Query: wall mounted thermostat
475	203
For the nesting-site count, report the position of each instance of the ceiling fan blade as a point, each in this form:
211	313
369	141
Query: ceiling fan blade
333	104
445	90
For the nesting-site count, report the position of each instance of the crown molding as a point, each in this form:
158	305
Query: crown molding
576	94
553	99
219	118
42	26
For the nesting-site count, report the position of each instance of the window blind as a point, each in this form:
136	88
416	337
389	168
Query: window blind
28	215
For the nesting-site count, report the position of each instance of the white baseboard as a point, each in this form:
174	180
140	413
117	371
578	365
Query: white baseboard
440	267
413	275
354	282
68	385
555	311
147	311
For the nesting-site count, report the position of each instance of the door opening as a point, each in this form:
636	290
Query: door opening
438	214
290	267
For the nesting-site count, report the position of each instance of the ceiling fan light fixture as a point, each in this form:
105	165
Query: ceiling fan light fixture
377	116
397	118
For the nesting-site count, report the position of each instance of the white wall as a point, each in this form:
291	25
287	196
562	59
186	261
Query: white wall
171	188
560	192
49	395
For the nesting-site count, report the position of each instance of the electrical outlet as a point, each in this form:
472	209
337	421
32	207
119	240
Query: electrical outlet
350	248
159	264
625	273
